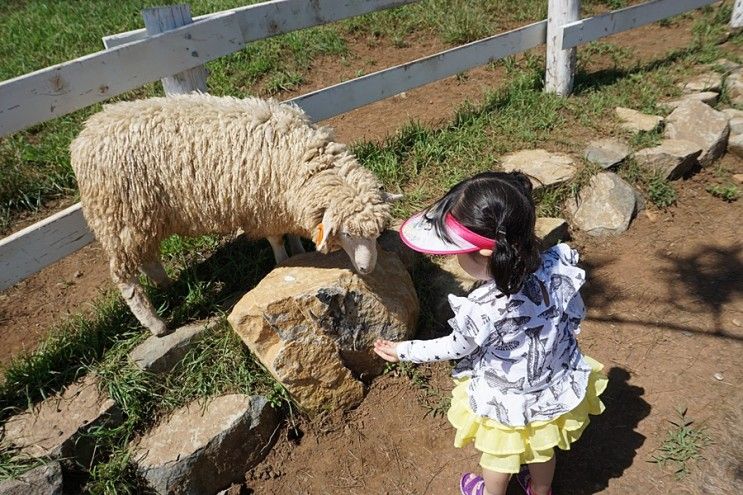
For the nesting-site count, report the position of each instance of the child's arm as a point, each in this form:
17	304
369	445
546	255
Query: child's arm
453	346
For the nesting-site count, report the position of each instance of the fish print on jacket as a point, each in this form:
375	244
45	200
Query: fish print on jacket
501	383
501	413
532	290
511	305
563	285
549	313
535	355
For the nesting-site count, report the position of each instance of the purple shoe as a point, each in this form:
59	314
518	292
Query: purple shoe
524	479
471	484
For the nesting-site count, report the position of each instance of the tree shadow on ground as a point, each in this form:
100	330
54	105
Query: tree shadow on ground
711	276
609	444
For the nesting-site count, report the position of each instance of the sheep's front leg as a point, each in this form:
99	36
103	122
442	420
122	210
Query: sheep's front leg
279	251
155	271
141	306
295	245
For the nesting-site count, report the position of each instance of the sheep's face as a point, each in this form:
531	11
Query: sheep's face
356	232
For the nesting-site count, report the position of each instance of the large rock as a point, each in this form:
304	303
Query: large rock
672	158
312	322
734	87
605	206
708	97
607	152
41	480
161	354
735	146
702	125
203	448
390	241
709	81
544	168
725	65
635	121
447	278
56	427
551	230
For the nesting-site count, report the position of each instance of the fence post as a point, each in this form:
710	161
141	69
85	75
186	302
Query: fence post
736	21
560	63
161	19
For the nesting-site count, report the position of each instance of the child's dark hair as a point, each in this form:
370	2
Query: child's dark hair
497	205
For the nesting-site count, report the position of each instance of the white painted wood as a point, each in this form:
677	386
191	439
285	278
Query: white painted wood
41	244
592	28
267	19
736	20
64	88
346	96
560	62
161	19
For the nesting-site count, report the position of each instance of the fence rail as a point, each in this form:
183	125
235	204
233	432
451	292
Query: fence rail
133	59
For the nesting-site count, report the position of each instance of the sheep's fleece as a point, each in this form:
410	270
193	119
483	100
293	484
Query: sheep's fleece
197	164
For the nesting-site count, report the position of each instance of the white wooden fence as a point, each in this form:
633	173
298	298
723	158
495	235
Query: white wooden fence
135	58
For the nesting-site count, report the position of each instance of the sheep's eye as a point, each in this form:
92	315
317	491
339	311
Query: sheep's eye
345	234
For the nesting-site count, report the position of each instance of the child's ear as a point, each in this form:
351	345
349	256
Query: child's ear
322	232
486	252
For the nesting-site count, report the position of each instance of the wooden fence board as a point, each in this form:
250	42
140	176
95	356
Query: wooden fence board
592	28
340	98
64	88
267	19
41	244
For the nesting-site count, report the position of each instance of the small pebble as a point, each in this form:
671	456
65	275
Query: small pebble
78	274
736	322
719	377
687	333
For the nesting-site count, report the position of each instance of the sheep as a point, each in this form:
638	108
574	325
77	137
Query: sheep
200	164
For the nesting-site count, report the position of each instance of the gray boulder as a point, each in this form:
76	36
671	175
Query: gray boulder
709	81
607	152
551	230
702	125
635	121
734	87
735	146
56	427
707	97
41	480
161	354
672	158
543	167
605	206
203	448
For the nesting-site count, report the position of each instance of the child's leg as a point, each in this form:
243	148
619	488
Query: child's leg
495	483
541	476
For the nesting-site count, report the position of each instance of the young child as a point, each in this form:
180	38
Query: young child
522	385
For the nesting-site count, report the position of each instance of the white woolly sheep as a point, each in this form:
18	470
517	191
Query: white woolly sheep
199	164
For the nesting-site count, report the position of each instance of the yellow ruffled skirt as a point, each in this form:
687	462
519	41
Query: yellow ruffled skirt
505	448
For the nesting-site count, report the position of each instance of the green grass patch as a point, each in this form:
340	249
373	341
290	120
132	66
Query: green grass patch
728	192
659	190
683	444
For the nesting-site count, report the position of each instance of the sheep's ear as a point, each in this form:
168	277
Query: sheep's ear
391	198
322	232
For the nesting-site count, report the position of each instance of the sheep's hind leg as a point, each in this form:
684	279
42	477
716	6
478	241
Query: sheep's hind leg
155	271
141	306
279	251
295	245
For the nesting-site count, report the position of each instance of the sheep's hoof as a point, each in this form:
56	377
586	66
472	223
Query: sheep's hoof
159	329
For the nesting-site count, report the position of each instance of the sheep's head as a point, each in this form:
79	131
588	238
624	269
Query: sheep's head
353	223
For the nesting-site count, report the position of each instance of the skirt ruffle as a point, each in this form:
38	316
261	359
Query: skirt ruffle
505	448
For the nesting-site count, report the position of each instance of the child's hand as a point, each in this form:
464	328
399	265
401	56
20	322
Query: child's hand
387	350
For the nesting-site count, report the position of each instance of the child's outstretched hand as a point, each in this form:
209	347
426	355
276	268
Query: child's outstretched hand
387	350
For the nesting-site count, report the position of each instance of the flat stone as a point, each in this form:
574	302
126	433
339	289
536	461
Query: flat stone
607	152
702	125
605	206
551	231
724	65
672	158
161	354
635	121
707	97
709	81
736	126
544	168
734	87
41	480
203	448
732	113
390	241
313	321
55	427
739	179
735	145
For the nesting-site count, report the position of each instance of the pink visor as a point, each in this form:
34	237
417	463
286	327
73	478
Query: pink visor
419	234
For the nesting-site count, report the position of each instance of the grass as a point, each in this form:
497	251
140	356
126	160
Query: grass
433	400
659	190
727	192
683	444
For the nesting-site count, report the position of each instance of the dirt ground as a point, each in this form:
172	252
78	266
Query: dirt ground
665	316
